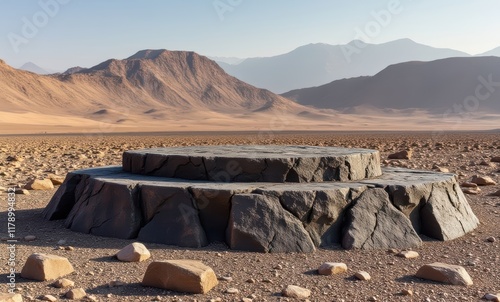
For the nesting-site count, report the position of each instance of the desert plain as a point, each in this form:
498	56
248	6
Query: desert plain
243	275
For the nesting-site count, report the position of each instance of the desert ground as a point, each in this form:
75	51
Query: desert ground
260	277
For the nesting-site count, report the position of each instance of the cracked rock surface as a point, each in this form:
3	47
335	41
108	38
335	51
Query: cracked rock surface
255	163
386	212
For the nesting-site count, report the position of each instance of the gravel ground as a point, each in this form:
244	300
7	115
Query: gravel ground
260	276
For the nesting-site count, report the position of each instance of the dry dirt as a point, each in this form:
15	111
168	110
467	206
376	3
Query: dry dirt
461	153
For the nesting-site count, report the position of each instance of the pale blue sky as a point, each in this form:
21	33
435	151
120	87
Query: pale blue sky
86	32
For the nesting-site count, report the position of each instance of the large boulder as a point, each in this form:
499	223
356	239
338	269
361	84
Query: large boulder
44	267
258	223
373	222
187	276
447	215
445	273
170	217
106	208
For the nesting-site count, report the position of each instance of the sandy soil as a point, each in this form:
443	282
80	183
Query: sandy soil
49	122
461	153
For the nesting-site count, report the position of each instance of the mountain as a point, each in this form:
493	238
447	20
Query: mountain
318	64
158	79
32	67
447	85
153	89
494	52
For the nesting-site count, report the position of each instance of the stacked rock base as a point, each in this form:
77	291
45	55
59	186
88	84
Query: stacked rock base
263	199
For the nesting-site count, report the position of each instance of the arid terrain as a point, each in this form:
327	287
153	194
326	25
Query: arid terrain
260	277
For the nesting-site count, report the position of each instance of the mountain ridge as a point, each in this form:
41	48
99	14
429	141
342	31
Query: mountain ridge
316	64
436	86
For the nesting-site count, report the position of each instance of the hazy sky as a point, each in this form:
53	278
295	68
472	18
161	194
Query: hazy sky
59	34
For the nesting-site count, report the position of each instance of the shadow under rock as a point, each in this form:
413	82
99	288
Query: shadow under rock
412	278
135	290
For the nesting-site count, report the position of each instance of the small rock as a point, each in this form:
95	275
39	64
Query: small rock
56	180
406	154
69	248
246	300
485	163
22	191
76	294
134	252
11	298
63	283
332	268
30	238
48	298
471	191
188	276
407	292
491	239
442	169
392	251
44	267
362	275
445	273
408	254
293	291
226	278
39	184
492	297
372	298
14	158
232	290
483	180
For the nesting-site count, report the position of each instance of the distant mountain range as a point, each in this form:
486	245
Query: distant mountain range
149	80
318	64
454	85
494	52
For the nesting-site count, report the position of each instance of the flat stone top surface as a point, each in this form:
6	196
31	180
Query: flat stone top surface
266	163
254	151
391	176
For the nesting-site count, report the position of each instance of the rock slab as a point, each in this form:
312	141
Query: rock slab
293	291
44	267
332	268
399	205
255	163
445	273
187	276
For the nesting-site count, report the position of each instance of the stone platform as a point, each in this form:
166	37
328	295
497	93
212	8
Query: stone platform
255	163
389	211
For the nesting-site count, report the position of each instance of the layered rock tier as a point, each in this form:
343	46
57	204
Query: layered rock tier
255	163
392	209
